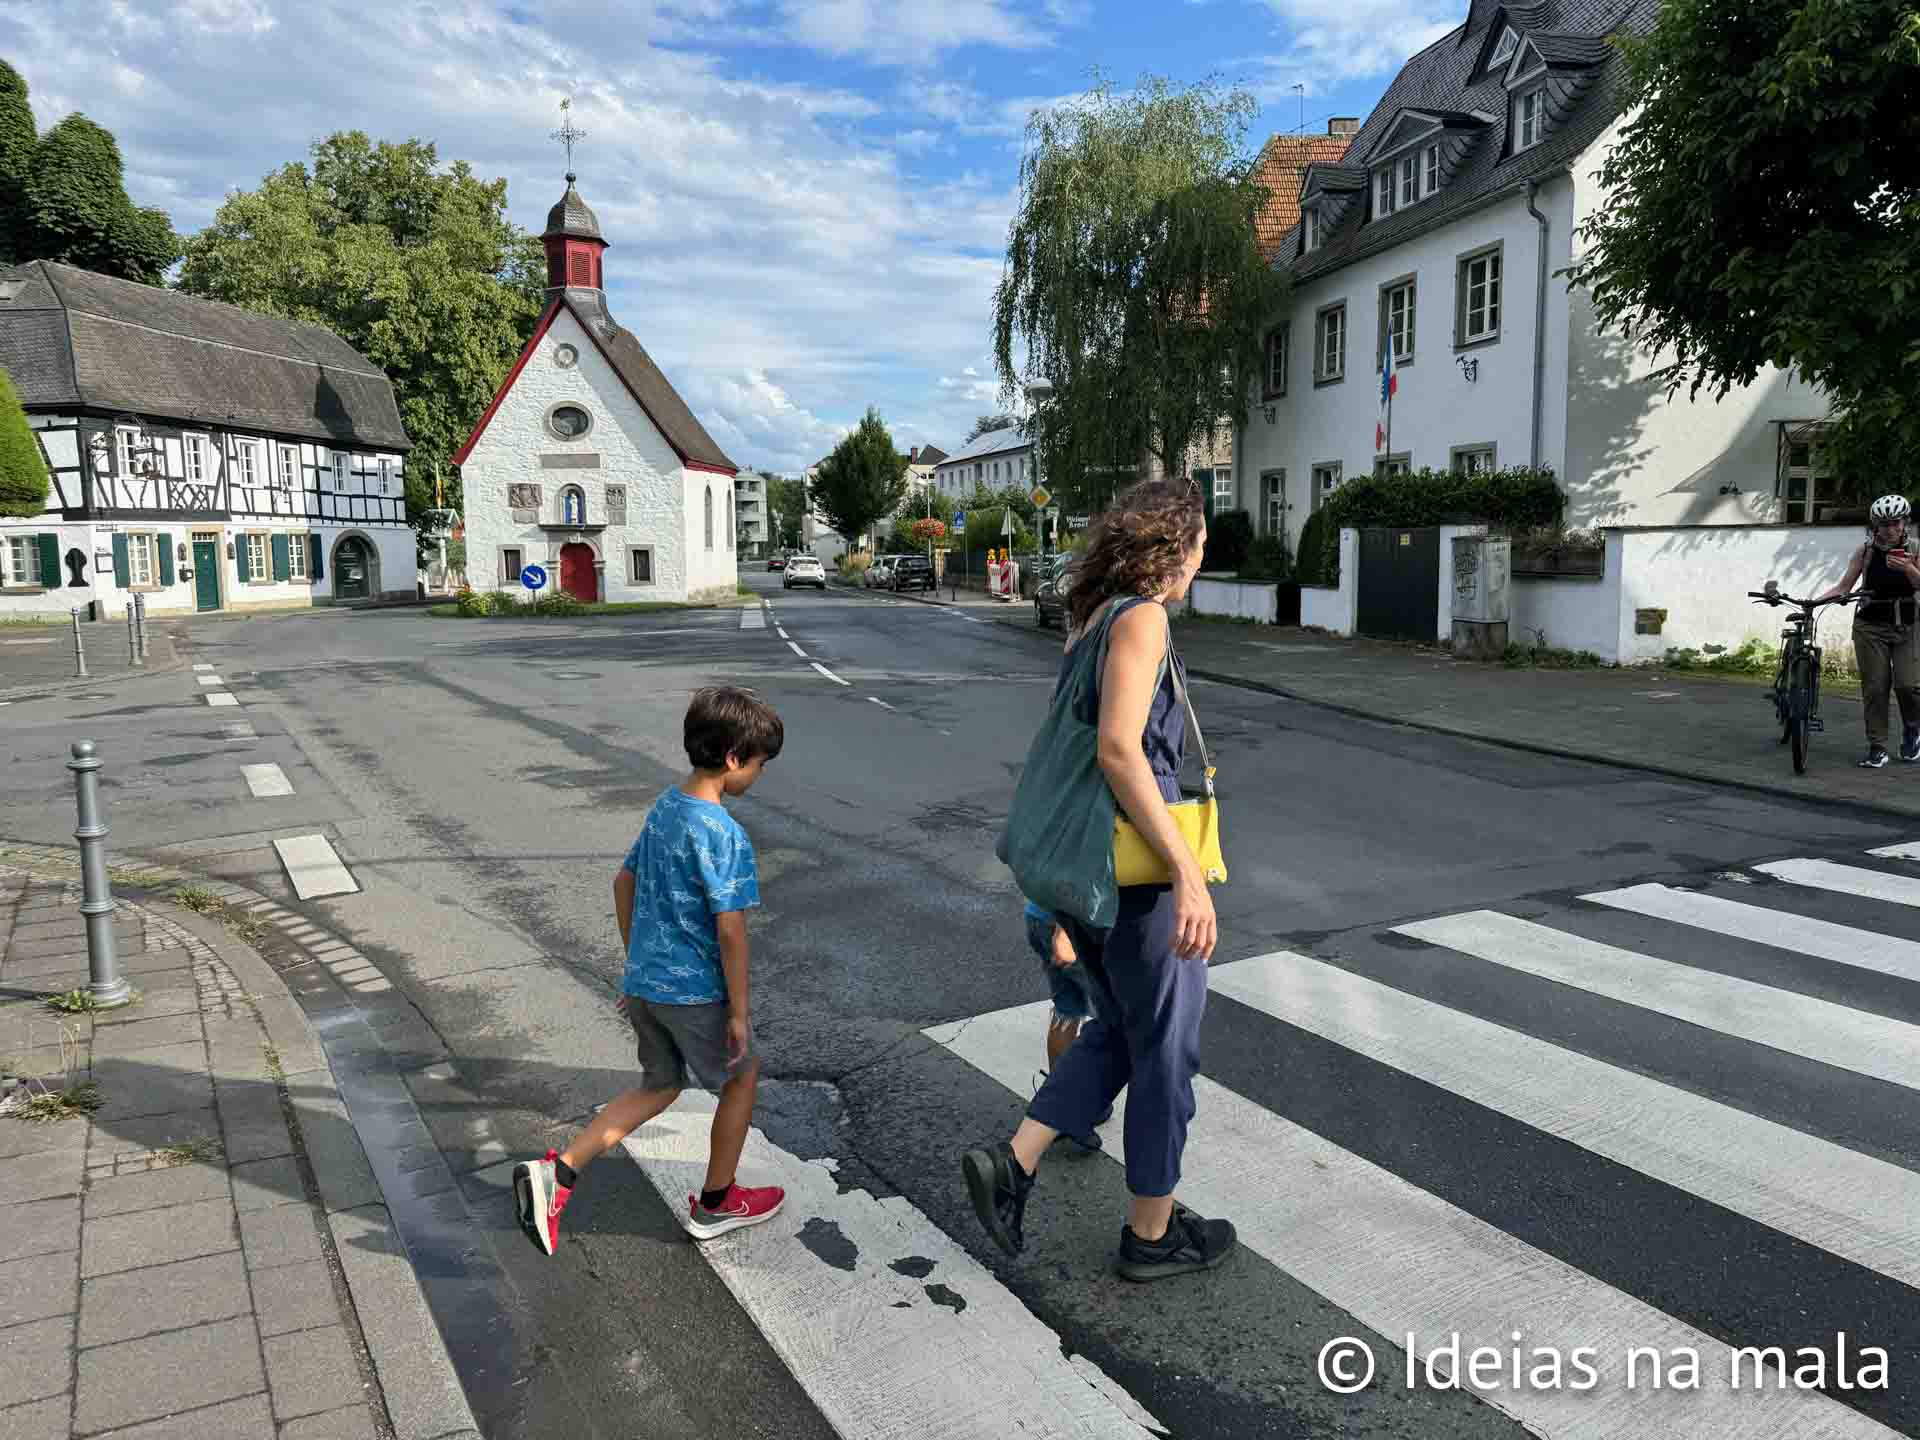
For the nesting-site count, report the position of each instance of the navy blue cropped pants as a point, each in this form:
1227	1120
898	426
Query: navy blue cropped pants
1144	1038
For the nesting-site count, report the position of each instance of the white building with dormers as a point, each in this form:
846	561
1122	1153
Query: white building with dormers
995	460
587	462
202	456
1445	231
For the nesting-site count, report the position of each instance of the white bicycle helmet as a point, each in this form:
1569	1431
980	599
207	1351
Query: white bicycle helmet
1891	507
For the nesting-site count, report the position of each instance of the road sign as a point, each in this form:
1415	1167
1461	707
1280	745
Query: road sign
1076	522
533	576
1041	497
959	522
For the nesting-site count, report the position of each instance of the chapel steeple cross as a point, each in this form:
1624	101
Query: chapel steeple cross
568	133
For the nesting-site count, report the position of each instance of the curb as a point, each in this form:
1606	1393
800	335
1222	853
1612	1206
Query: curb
319	1031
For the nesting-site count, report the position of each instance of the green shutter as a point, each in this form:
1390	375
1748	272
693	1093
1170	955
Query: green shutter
280	570
163	542
239	543
120	572
49	560
314	572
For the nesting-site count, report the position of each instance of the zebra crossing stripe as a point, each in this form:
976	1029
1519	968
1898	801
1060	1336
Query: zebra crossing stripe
1908	851
1780	929
1852	1205
891	1327
1846	880
1403	1261
1798	1024
753	619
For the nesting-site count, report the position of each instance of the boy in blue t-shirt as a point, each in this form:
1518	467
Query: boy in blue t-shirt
1072	999
681	898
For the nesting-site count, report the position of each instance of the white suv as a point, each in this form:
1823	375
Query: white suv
804	570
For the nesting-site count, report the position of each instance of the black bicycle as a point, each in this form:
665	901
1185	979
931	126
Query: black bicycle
1796	686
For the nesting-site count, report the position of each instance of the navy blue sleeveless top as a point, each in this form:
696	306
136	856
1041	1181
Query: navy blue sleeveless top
1164	742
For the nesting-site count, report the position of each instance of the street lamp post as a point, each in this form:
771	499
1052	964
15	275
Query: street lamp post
1038	391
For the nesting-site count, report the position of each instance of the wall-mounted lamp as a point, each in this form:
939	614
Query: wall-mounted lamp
180	550
230	549
1729	489
1469	367
1272	412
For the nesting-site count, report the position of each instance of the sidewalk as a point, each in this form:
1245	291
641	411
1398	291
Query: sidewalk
196	1249
1687	725
36	658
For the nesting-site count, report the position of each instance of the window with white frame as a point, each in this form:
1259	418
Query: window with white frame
1433	169
246	460
1273	487
341	469
1409	179
1222	489
1388	466
194	450
297	544
128	440
510	565
1310	223
1804	483
1503	52
1330	344
259	558
1396	321
1383	192
289	466
1529	118
1326	480
1473	460
386	477
1276	366
23	561
640	565
1479	291
140	559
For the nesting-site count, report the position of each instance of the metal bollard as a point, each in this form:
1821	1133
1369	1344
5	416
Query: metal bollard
140	624
96	894
133	641
79	648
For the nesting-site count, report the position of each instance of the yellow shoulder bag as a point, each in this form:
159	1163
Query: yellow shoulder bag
1135	861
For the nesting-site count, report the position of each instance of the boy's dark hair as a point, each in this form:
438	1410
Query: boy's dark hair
725	720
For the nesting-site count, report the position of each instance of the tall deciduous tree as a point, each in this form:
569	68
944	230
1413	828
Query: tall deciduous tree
18	136
414	264
1134	284
986	424
862	480
787	503
24	481
1765	210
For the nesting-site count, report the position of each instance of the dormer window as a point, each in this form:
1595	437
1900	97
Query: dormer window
1433	168
1503	52
1310	229
1529	118
1383	192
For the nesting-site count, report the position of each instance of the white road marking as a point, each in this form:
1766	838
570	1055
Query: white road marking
783	632
29	642
878	701
1798	1024
239	730
796	650
209	679
829	674
1862	1209
1402	1261
203	666
221	697
266	781
1846	880
1865	949
753	619
313	869
1909	851
943	1349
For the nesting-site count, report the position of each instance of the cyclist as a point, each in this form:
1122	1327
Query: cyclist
1884	630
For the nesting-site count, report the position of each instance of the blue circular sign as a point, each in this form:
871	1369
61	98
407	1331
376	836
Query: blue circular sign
959	519
533	576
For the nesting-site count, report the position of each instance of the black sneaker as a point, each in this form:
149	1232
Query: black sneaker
1910	745
999	1188
1190	1245
1876	759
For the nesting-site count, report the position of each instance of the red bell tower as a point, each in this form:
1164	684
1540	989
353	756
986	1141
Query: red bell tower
574	244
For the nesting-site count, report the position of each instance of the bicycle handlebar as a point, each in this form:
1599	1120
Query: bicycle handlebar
1777	598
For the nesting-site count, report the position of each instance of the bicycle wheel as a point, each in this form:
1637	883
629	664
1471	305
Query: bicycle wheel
1783	695
1800	708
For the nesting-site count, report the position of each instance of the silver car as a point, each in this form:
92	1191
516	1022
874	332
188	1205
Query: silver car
804	570
879	575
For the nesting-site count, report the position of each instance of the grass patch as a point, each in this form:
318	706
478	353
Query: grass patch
1755	657
274	1067
1545	657
49	1107
79	1001
196	1151
197	898
599	607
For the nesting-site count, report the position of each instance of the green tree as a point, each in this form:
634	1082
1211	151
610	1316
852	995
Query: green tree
412	263
787	504
24	481
862	480
1133	283
1765	209
18	136
987	424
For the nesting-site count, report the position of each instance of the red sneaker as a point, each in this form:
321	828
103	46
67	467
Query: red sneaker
540	1198
741	1207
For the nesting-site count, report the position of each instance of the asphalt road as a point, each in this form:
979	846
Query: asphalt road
482	781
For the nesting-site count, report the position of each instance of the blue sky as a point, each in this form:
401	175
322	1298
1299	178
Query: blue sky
807	199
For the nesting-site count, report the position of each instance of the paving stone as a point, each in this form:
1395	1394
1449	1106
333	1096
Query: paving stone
39	1287
311	1372
39	1361
40	1228
19	1138
247	1419
151	1132
42	1174
295	1297
121	1242
174	1185
45	966
176	997
152	966
339	1160
352	1423
262	1184
258	1142
153	1082
42	1420
150	1033
162	1374
163	1297
281	1236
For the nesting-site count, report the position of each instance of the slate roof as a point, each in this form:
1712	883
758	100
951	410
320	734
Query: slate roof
72	338
1282	164
994	442
930	455
1444	79
571	215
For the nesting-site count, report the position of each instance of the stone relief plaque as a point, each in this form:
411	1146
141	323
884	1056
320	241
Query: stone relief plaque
523	497
616	504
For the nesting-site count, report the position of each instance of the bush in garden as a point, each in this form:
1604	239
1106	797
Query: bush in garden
559	603
474	603
1229	538
1267	559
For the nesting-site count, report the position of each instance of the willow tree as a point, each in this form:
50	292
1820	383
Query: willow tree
1134	286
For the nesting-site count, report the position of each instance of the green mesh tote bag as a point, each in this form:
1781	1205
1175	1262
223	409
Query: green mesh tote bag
1058	839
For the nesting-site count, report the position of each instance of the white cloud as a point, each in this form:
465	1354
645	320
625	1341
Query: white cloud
914	33
1328	41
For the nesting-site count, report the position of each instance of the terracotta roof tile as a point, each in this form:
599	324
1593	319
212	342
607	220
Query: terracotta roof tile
1283	160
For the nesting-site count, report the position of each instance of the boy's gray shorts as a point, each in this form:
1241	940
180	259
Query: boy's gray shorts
683	1046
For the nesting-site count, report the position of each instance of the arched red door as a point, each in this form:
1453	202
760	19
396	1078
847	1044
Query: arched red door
577	576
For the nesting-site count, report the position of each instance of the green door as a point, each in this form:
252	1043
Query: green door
206	574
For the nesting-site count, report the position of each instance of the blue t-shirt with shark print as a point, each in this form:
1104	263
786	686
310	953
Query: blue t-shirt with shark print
691	863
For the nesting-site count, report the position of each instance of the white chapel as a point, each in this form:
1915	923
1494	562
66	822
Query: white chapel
587	462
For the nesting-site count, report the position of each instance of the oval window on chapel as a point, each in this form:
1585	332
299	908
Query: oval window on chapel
569	422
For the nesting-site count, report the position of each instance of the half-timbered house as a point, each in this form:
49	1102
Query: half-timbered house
207	456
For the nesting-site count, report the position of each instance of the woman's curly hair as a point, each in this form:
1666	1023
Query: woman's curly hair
1137	547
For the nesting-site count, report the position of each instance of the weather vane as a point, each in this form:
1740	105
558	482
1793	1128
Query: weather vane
568	133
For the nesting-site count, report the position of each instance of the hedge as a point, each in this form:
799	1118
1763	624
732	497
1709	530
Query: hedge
1229	538
23	471
1512	499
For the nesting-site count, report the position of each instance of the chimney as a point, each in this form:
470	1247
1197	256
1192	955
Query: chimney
913	455
1344	126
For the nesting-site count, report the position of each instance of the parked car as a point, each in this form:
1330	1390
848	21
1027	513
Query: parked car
879	575
1050	593
804	570
911	572
776	562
